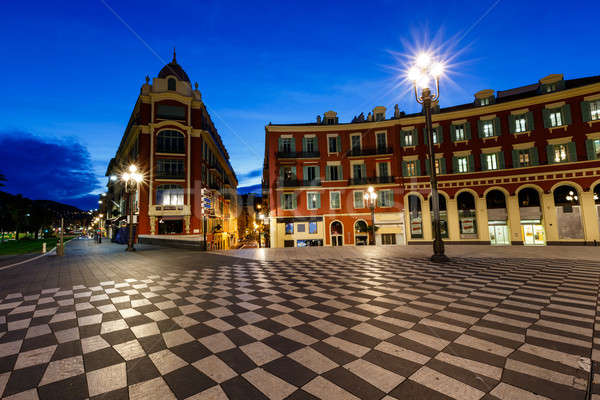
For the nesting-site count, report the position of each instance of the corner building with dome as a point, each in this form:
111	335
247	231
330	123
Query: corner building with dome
515	167
189	185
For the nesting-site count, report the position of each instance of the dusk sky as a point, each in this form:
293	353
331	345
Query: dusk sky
72	70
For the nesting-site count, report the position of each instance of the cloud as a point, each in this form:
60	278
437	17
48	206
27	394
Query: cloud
48	169
256	189
255	173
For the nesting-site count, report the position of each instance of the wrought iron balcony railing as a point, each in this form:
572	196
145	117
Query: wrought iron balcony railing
298	154
369	152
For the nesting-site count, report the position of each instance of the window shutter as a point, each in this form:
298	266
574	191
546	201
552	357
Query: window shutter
515	157
484	166
550	153
380	199
294	175
572	151
415	137
317	173
280	145
497	127
529	121
315	143
281	200
294	201
546	114
501	160
440	134
589	146
305	173
318	200
427	167
566	110
338	144
328	173
453	133
293	146
454	165
534	158
304	144
404	172
471	163
586	113
340	172
363	170
418	163
480	128
402	141
468	130
442	162
511	123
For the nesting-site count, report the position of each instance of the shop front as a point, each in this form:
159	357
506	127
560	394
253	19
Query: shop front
533	232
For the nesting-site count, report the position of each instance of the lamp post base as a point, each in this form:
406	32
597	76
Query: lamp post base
439	258
438	252
130	249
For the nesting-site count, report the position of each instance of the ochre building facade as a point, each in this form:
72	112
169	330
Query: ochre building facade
515	167
189	185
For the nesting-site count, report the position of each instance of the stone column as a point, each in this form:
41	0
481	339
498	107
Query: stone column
187	224
590	216
273	232
152	225
483	230
453	228
549	217
514	219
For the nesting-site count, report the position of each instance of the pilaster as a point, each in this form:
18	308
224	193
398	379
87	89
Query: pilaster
514	219
482	219
549	217
590	216
453	228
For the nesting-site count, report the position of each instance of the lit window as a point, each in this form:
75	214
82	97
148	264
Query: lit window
459	132
313	200
551	87
484	102
556	118
334	200
289	228
462	164
524	158
596	147
595	110
312	228
411	168
358	199
491	160
408	138
288	201
169	195
560	153
520	124
488	128
437	166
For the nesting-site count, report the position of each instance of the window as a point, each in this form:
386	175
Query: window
310	173
170	169
286	145
312	228
385	198
491	161
460	132
484	102
334	144
169	141
595	149
520	124
437	166
301	228
313	200
356	143
333	173
330	121
548	88
310	145
388	238
359	171
555	118
172	84
379	117
408	138
358	199
169	195
560	153
334	200
381	141
487	128
164	111
289	229
383	169
595	110
524	158
288	201
462	164
411	168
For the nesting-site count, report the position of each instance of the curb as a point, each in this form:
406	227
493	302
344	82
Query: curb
52	250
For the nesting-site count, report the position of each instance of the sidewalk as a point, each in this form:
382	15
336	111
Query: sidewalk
573	253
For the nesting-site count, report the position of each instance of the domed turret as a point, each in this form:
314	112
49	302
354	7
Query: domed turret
175	69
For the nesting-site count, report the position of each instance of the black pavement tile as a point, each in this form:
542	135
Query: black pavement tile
397	365
191	352
238	337
141	369
541	387
69	389
187	381
66	350
358	338
7	363
37	342
234	320
199	331
118	337
101	358
270	325
301	395
290	371
89	330
152	344
24	379
470	378
282	344
118	394
240	389
413	390
336	355
237	360
353	384
139	320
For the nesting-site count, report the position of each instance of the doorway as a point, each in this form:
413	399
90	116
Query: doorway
533	234
337	234
499	235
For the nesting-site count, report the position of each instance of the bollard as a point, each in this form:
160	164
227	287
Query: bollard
44	248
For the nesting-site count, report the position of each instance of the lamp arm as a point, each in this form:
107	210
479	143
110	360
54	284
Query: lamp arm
419	100
436	96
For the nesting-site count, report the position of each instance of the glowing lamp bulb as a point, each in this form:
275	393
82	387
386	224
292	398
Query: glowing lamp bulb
132	168
437	69
413	74
423	81
423	60
126	176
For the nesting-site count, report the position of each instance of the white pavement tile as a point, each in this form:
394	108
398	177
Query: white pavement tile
145	330
38	330
324	389
166	361
255	332
346	346
107	379
112	326
63	369
217	342
313	360
155	389
93	343
444	384
260	353
35	357
273	387
214	393
379	377
10	348
215	369
28	395
130	350
177	337
157	316
504	391
67	335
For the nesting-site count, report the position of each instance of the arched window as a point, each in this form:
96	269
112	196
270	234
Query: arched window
169	195
465	201
169	141
529	197
172	84
495	199
360	226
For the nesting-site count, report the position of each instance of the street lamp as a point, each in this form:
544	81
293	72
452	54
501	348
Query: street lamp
131	178
572	197
421	74
370	198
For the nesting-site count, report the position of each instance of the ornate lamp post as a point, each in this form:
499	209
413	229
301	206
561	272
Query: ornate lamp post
371	198
421	74
131	178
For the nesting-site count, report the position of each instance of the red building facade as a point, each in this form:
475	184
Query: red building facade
520	166
189	185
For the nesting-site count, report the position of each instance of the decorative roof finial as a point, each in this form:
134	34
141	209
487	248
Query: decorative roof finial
147	79
196	85
174	56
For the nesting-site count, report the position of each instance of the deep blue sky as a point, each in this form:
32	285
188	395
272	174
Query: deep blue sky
73	70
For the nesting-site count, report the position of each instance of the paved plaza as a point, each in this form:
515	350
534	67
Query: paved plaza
100	323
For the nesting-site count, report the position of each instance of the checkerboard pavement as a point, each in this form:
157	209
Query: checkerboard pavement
389	328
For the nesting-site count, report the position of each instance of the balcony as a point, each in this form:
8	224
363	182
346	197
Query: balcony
170	175
298	182
371	180
370	152
298	154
